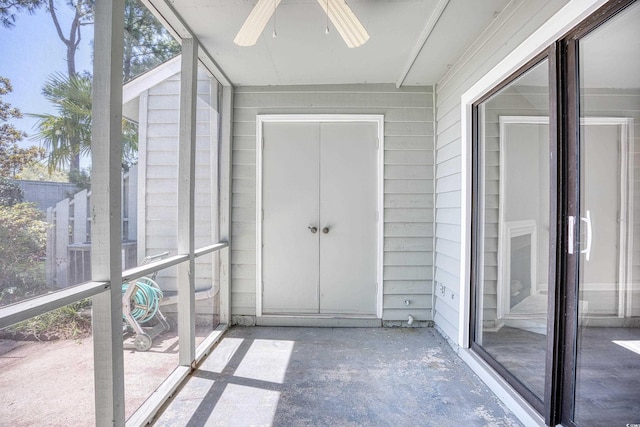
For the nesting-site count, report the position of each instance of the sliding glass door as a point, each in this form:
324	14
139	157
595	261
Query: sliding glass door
556	225
606	375
513	163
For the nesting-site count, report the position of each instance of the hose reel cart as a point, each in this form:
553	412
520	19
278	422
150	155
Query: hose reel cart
141	300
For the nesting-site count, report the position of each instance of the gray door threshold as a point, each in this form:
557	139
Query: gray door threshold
516	403
321	321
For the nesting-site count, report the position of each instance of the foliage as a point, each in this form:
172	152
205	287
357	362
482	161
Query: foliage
23	235
82	16
8	132
129	144
81	178
10	193
67	133
8	9
13	158
65	322
38	172
146	42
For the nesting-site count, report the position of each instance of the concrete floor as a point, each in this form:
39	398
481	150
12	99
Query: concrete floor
262	376
51	383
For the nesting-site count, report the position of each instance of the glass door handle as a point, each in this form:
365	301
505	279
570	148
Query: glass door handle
571	223
587	250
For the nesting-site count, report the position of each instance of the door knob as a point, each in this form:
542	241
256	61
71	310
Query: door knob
313	229
325	230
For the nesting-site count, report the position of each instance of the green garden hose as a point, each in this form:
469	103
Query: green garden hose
145	300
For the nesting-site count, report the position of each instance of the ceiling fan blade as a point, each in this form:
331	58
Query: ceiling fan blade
255	22
352	31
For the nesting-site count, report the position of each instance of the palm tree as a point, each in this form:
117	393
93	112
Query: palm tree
67	134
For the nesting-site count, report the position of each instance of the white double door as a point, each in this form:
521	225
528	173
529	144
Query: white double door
319	202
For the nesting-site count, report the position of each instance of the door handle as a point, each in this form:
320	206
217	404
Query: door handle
587	250
314	230
325	230
570	226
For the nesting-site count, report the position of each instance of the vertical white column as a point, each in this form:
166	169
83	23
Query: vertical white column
106	221
186	196
133	203
80	216
62	241
225	203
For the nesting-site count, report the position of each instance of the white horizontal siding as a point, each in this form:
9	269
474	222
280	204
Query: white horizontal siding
519	20
408	184
158	145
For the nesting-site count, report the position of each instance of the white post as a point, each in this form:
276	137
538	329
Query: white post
141	199
50	260
133	203
80	217
62	244
106	211
225	203
186	197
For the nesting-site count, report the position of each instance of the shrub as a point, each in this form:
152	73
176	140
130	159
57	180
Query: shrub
65	322
10	192
23	236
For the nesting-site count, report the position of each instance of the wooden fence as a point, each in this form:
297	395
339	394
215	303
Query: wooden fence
68	259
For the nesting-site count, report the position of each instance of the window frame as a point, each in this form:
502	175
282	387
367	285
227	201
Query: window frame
106	233
549	55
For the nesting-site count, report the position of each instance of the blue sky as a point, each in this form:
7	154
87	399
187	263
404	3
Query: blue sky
31	51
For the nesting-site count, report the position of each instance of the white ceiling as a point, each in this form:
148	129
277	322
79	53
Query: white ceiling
303	54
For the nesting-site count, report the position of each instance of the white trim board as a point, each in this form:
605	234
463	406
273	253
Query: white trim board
509	230
320	118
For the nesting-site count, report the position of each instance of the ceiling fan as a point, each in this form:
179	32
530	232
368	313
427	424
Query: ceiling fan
340	14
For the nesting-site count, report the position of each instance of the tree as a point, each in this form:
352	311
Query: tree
146	42
82	15
13	158
10	193
38	172
67	134
23	235
8	132
9	8
72	122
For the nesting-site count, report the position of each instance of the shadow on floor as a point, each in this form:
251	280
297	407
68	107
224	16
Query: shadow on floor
334	377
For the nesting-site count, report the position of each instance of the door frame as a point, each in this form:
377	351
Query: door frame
549	34
625	248
378	119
